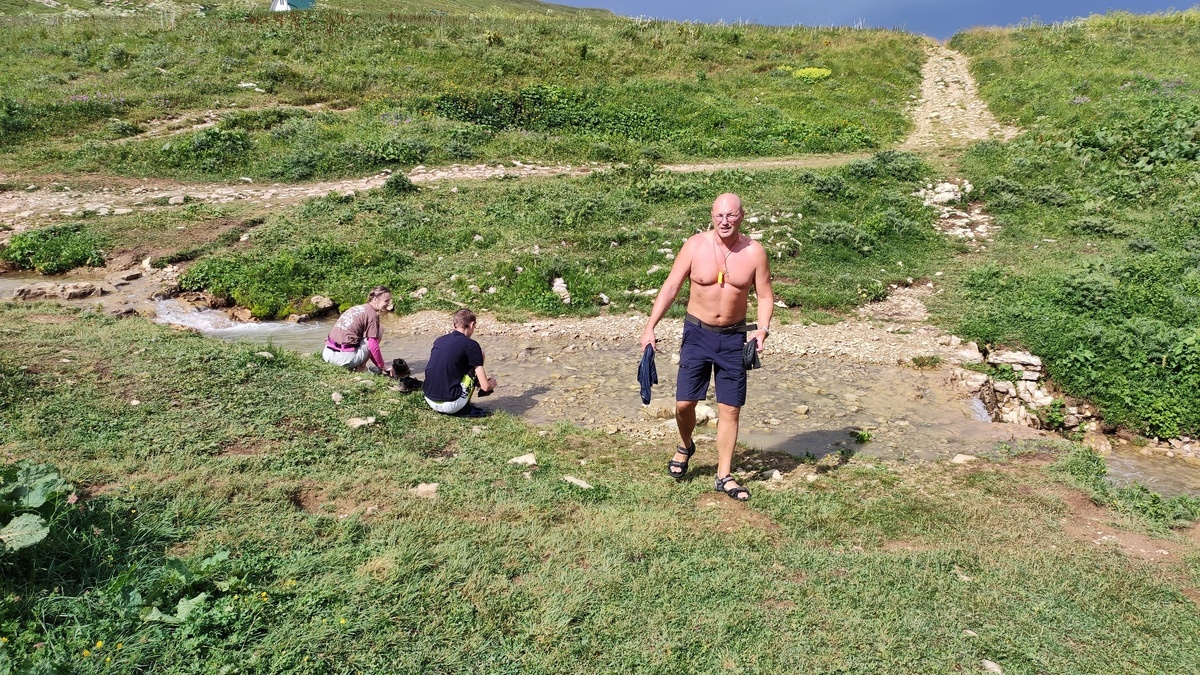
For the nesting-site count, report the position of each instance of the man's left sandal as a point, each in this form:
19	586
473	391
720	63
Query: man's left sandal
738	493
681	466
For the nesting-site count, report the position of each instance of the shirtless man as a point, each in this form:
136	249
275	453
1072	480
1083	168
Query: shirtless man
723	265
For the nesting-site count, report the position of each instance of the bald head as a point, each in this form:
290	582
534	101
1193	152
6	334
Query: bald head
727	215
728	203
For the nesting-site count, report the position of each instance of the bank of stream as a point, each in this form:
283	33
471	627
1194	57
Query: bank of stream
817	390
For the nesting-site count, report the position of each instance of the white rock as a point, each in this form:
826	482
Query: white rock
991	667
266	355
1004	387
704	413
356	422
425	490
811	478
578	482
177	199
337	397
135	402
964	459
969	354
524	460
1013	358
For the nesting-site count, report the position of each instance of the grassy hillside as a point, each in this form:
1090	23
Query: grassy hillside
326	93
1098	265
232	520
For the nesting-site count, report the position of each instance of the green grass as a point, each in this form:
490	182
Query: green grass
835	238
435	88
1097	268
871	569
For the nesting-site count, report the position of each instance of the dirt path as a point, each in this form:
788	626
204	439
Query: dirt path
949	113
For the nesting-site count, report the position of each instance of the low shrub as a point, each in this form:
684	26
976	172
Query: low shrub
54	250
212	150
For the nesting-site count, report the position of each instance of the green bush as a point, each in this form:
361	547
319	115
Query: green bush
54	250
213	150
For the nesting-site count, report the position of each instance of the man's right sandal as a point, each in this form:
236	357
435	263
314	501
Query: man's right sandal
738	493
681	466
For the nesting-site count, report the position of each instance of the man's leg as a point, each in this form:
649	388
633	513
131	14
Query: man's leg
727	433
685	420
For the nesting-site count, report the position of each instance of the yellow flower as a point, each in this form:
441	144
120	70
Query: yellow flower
119	645
99	644
86	653
108	659
343	622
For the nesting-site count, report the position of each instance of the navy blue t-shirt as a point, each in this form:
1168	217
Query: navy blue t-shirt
453	356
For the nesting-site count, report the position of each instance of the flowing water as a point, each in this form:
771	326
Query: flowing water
909	414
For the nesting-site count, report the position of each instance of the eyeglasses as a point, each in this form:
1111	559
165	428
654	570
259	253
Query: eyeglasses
718	217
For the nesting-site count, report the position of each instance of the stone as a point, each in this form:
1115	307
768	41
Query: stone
1098	442
577	482
969	354
704	413
524	460
1071	421
177	199
130	275
266	355
356	422
241	314
973	381
51	291
774	475
1004	387
964	459
322	303
801	410
559	288
811	477
991	667
425	490
337	397
135	402
419	293
1014	358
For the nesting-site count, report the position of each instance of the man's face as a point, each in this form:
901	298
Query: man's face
726	218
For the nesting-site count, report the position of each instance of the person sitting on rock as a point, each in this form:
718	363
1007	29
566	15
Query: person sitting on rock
455	369
355	337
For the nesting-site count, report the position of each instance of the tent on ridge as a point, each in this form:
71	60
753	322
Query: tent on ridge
288	5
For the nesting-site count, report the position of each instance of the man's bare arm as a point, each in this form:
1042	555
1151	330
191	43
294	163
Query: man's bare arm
666	295
766	298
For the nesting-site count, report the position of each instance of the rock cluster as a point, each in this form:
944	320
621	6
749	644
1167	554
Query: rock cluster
972	225
1017	402
48	290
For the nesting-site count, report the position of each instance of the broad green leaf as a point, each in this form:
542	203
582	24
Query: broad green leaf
25	530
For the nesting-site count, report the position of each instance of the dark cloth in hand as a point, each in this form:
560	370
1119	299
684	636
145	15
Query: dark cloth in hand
750	355
647	373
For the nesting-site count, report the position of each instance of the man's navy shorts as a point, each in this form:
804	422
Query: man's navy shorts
704	353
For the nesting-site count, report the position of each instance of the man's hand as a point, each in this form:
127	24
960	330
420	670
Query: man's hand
648	339
491	384
760	335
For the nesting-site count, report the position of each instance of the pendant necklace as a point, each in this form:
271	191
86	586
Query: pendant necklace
720	271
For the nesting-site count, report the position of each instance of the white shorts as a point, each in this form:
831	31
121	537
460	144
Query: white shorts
451	407
352	359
